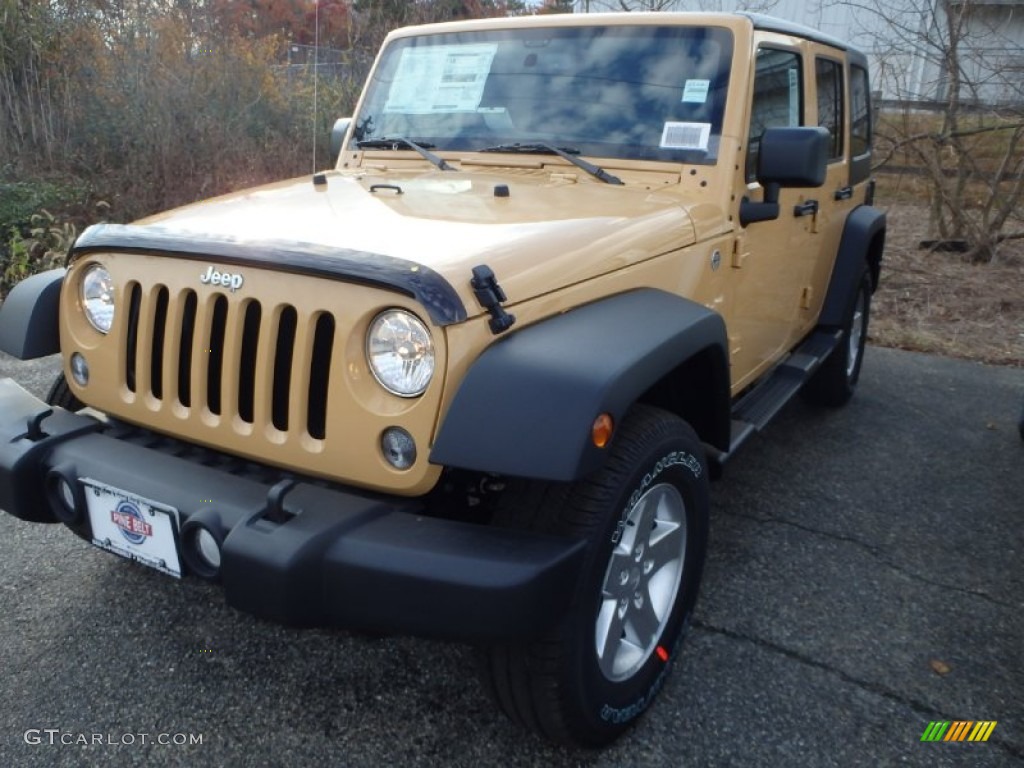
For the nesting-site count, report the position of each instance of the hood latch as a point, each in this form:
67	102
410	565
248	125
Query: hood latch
489	294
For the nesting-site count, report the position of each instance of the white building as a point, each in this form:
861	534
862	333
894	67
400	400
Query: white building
907	41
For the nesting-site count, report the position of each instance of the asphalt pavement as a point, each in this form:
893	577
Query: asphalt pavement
865	578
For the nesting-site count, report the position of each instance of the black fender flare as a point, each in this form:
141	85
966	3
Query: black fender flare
527	405
30	316
860	246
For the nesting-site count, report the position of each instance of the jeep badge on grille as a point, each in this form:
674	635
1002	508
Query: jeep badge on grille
226	279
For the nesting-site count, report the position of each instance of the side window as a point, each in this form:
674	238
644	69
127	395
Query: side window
828	75
777	101
860	112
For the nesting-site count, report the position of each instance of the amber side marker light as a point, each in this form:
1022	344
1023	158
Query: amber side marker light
601	431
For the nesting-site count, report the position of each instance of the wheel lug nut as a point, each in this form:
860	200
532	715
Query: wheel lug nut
623	577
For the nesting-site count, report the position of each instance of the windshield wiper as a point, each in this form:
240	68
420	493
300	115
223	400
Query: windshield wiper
566	153
400	142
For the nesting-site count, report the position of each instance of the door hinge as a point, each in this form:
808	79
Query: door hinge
805	298
739	252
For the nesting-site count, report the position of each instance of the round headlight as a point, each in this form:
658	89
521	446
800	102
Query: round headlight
400	353
98	297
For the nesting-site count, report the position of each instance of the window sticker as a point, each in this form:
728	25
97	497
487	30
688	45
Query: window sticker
685	135
440	78
696	91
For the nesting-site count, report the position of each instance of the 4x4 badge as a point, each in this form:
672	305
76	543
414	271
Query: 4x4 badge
230	280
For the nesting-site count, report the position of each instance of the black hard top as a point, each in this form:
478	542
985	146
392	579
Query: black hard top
773	24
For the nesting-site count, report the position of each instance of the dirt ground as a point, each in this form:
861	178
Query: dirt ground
935	302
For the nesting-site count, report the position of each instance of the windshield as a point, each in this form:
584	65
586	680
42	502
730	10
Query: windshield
632	92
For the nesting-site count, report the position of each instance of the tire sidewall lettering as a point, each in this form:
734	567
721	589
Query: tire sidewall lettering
669	460
620	715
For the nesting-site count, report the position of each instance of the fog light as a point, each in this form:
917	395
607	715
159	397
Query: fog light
207	548
79	370
398	447
65	495
202	537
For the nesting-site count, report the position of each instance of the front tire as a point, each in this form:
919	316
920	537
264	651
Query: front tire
645	515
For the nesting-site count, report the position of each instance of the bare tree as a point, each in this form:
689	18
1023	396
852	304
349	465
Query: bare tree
646	5
955	68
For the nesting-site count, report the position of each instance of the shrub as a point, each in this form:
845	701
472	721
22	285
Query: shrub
45	248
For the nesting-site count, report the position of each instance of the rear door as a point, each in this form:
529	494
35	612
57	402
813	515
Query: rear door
835	199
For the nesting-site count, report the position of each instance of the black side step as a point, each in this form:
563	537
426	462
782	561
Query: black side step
752	412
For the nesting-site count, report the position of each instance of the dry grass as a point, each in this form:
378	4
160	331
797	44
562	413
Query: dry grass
935	302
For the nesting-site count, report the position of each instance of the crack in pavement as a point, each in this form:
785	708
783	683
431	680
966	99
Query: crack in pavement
877	553
877	689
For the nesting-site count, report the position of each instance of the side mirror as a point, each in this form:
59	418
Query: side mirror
788	157
338	135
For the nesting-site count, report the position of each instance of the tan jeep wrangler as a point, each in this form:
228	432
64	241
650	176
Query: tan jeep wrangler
471	383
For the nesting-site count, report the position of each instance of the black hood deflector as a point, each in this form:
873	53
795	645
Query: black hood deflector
421	283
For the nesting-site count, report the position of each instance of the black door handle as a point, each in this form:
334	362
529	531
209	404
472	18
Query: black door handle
844	193
808	208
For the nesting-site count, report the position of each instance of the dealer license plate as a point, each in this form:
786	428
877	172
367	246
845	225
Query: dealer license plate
133	527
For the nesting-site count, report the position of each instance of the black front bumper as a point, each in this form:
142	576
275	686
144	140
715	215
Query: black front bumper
324	557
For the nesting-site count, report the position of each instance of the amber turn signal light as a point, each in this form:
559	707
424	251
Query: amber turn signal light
601	431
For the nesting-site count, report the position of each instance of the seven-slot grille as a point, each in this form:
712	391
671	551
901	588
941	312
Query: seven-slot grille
267	364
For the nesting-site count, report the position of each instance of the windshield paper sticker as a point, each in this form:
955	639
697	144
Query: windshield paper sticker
440	78
685	136
696	91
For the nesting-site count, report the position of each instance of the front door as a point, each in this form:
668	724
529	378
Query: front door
770	265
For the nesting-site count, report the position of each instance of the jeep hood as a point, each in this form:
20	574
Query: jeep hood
549	231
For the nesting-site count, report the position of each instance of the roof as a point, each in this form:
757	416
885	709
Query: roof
774	24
